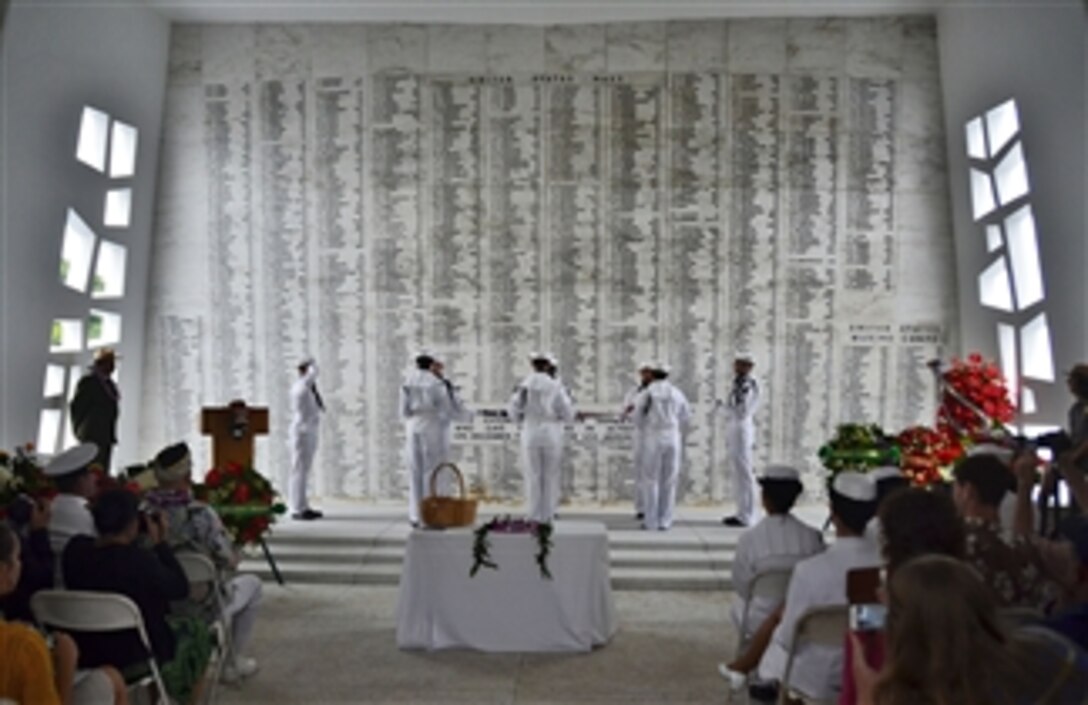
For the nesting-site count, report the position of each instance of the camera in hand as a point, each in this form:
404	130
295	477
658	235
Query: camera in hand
869	617
146	517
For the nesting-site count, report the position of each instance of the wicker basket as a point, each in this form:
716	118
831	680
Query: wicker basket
447	512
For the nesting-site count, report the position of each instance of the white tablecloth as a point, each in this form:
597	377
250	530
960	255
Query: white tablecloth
512	608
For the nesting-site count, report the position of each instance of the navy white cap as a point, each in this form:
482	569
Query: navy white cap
854	485
885	472
780	473
744	356
1002	453
72	460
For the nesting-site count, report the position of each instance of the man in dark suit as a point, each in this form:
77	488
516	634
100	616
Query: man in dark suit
95	406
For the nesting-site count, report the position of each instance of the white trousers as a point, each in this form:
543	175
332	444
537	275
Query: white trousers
542	474
739	439
660	470
243	595
636	473
426	449
303	448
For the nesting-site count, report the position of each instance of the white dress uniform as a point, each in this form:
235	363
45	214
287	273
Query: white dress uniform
302	436
740	409
636	448
428	407
660	409
778	541
543	406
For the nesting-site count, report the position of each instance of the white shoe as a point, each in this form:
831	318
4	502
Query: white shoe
737	680
242	667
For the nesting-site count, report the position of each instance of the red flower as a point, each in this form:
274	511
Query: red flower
235	470
241	494
213	479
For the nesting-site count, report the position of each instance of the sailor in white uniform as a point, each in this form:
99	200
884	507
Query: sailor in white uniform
740	409
661	410
429	404
645	374
542	406
821	581
306	409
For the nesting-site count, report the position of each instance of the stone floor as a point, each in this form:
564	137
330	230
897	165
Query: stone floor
336	644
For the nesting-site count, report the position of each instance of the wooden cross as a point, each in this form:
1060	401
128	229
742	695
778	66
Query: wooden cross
232	429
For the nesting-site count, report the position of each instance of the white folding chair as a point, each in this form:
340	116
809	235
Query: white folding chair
83	611
770	585
823	626
205	588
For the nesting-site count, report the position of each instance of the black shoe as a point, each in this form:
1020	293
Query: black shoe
312	514
640	516
763	692
415	524
305	515
734	522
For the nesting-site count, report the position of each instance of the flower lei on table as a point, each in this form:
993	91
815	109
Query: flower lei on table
481	547
244	499
21	473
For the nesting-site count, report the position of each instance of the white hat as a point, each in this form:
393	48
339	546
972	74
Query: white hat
72	460
780	473
854	485
744	357
646	365
550	357
886	472
1000	452
307	361
661	367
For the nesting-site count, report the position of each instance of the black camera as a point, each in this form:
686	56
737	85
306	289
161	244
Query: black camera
146	517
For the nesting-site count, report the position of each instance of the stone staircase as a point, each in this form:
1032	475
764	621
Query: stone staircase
359	544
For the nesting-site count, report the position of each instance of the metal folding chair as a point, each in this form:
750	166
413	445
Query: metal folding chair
825	626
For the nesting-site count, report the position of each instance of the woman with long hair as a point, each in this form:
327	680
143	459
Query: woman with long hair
947	646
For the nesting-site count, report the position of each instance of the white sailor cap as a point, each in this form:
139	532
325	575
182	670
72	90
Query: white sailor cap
854	485
1002	453
646	365
550	357
780	473
307	361
662	367
744	357
72	460
886	472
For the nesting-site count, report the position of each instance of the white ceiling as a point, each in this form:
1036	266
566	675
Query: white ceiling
522	11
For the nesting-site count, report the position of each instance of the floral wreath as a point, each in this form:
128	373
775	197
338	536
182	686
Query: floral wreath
244	499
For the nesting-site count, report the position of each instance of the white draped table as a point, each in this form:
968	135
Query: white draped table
513	608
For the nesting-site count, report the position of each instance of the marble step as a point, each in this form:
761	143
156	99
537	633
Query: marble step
623	578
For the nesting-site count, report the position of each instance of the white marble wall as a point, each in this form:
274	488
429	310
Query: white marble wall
663	190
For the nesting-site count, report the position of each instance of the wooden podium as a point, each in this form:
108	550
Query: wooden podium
233	428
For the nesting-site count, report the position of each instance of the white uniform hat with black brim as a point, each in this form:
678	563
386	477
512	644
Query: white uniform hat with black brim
72	460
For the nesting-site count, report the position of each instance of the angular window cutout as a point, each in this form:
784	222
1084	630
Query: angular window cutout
993	286
118	208
91	147
1027	273
66	335
1006	343
1011	175
1002	124
109	271
1027	404
103	328
1037	359
76	250
54	381
122	150
49	431
982	193
976	140
993	238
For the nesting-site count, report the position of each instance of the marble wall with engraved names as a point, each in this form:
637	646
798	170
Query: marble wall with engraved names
670	190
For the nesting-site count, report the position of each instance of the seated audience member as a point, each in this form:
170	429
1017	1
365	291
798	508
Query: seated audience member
779	540
149	577
820	581
71	514
1009	564
31	671
889	480
194	526
915	522
946	644
29	520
